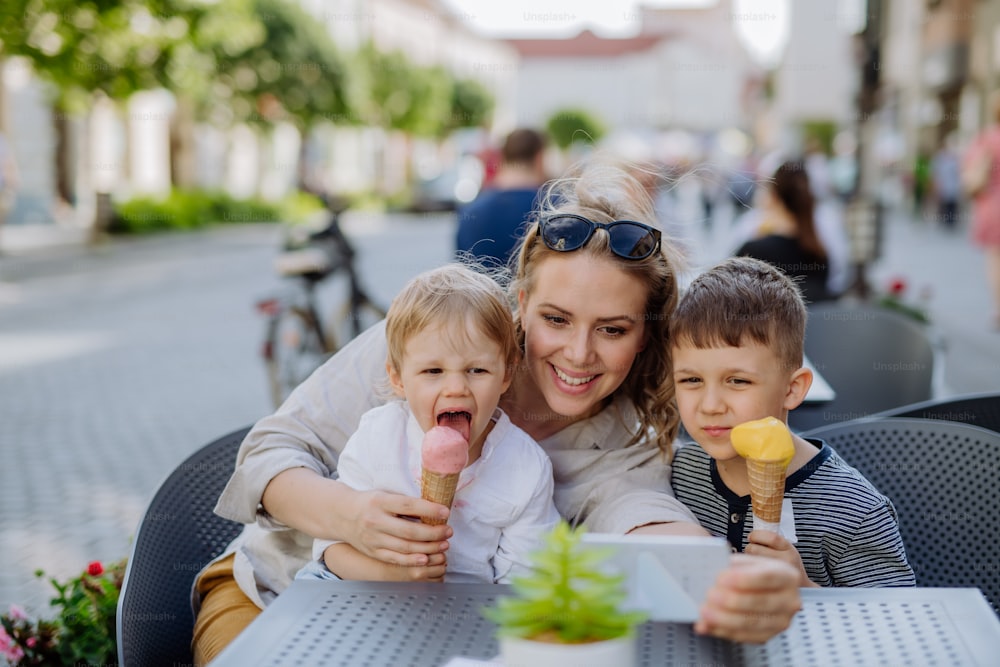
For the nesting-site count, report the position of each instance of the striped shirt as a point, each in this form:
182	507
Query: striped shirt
848	533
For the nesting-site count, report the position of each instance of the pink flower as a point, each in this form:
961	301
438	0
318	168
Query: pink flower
897	286
30	642
9	648
16	613
95	568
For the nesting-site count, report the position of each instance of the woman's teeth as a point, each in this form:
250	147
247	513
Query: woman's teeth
573	382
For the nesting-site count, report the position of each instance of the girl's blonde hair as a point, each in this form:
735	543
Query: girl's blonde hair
453	293
603	190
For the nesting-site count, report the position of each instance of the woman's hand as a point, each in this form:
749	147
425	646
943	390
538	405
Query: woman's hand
371	521
381	531
772	545
752	601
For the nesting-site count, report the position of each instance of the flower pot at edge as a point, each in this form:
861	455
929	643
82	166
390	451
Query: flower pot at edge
517	652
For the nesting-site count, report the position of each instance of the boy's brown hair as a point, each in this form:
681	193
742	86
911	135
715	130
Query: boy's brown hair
739	301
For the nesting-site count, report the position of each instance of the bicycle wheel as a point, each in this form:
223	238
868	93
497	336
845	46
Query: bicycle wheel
295	350
352	321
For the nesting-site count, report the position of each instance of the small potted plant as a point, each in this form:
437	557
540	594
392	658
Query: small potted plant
567	611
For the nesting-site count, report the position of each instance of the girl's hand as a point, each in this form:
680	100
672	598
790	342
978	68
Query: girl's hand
351	565
772	545
381	530
752	601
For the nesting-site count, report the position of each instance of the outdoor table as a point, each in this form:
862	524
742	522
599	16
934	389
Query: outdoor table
319	623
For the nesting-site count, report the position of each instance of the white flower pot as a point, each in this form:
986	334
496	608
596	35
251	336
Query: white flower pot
517	652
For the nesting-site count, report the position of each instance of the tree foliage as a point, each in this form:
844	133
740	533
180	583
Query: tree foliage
424	101
239	60
236	60
295	73
570	126
471	104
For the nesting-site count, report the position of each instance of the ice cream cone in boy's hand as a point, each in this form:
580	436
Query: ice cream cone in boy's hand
767	446
445	452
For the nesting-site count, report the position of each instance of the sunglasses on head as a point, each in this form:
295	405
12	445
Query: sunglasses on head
628	239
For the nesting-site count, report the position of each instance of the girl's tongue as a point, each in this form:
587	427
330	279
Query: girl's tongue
460	421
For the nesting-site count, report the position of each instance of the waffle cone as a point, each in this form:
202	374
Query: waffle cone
767	488
439	488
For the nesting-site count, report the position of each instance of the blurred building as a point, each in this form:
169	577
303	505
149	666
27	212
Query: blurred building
429	34
815	80
938	62
984	67
27	120
684	70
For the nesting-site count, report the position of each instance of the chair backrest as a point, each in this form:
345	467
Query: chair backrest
177	537
942	477
875	359
982	410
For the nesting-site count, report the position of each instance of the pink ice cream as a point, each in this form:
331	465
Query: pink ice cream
443	455
445	451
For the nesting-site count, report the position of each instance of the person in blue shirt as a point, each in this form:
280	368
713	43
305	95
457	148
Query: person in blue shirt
490	227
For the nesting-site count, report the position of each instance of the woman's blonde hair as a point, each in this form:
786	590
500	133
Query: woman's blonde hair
604	190
453	293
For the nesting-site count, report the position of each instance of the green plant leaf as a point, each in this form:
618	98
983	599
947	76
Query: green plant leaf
569	592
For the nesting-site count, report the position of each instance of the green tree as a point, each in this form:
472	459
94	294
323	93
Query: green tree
571	126
119	47
295	73
421	101
471	104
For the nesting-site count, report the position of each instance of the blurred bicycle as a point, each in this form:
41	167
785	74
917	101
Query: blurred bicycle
297	339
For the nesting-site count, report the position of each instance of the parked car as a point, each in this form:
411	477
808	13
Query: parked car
455	186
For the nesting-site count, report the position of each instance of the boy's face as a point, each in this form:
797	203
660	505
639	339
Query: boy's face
721	387
451	377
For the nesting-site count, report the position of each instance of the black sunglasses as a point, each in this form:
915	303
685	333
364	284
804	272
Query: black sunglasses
630	240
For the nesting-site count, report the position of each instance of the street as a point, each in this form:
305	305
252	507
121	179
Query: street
116	362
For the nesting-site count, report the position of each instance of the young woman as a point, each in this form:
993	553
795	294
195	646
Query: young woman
594	294
787	236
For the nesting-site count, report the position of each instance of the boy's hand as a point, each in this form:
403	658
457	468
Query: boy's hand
772	545
351	565
433	571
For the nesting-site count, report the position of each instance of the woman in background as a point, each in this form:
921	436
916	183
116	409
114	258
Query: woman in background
786	234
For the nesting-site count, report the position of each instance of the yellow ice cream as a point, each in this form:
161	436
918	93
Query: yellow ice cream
766	439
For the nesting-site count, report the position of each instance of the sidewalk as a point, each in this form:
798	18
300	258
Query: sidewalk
33	238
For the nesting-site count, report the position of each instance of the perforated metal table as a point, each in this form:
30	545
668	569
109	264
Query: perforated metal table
317	623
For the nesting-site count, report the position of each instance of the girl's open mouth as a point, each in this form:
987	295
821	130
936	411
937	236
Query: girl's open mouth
459	420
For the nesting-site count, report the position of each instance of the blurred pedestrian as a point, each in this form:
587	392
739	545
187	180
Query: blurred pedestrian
490	227
785	233
945	182
983	156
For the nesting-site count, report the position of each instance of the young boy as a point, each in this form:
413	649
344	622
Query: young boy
452	348
737	343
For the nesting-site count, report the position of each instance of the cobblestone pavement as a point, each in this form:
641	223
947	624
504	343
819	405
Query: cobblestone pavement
116	362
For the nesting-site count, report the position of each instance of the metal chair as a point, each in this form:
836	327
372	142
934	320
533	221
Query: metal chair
982	410
875	359
942	478
177	537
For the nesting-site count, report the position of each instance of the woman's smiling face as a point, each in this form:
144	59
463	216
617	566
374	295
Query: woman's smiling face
584	324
